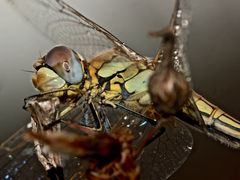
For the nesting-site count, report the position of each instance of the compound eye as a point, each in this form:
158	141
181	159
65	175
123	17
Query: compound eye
66	66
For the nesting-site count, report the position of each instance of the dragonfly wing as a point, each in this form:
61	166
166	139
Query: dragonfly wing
181	19
166	155
63	24
19	161
162	157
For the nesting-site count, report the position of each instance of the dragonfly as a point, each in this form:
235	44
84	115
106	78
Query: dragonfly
101	58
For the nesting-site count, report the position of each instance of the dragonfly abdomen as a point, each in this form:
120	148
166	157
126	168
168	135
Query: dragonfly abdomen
216	118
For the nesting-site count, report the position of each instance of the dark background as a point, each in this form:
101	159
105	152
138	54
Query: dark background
213	52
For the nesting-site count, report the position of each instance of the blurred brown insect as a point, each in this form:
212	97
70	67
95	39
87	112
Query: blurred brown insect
111	155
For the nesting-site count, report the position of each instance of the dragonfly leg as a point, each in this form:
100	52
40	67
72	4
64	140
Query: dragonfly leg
107	102
154	133
44	112
55	173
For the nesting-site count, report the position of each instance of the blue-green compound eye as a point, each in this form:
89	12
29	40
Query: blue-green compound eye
65	63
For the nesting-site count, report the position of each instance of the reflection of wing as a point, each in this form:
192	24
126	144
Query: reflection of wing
63	24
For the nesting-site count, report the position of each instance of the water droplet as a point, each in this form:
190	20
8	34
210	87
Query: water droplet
177	27
189	147
128	125
125	117
179	13
10	156
7	176
29	125
185	23
142	124
188	79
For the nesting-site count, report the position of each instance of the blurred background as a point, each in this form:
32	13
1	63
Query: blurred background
213	52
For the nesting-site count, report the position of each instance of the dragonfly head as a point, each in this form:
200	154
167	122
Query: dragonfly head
66	63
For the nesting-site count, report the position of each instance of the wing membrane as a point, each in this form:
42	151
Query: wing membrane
18	160
159	160
63	24
181	19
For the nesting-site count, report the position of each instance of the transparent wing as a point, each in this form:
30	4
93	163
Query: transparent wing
162	157
181	19
17	157
19	161
166	154
159	160
64	25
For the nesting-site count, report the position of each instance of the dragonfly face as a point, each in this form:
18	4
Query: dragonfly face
61	65
66	63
